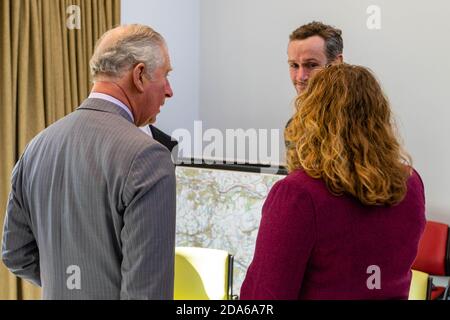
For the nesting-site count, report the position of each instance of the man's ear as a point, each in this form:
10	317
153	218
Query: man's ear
339	59
138	77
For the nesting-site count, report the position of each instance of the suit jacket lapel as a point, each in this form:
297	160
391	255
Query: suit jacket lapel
163	138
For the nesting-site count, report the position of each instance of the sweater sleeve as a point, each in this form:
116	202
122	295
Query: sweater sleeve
284	243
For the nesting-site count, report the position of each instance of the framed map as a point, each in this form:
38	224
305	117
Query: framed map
221	209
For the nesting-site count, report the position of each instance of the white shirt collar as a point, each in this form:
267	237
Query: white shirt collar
147	130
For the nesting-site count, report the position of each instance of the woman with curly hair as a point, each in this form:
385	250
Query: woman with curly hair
346	222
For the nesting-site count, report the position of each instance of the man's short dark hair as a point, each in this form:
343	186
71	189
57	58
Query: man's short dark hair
334	44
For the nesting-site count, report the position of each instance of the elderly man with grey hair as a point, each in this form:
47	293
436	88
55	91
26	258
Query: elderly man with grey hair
91	213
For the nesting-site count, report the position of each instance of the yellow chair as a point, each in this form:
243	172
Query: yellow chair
203	274
420	288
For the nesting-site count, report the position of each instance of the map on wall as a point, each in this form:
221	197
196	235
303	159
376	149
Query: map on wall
221	210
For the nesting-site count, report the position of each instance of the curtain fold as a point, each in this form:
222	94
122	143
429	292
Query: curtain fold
44	75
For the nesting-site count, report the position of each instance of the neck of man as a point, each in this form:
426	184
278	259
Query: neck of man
114	90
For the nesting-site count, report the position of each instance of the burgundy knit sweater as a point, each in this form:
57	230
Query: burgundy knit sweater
314	245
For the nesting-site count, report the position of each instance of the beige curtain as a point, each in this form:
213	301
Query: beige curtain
44	65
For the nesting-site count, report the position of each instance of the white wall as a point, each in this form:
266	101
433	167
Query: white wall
244	77
231	69
178	22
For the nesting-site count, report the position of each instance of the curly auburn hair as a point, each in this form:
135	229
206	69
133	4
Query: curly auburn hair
343	133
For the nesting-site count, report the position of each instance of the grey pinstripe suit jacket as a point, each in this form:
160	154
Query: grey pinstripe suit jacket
95	192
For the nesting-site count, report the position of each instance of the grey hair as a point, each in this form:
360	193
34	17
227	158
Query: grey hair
137	43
